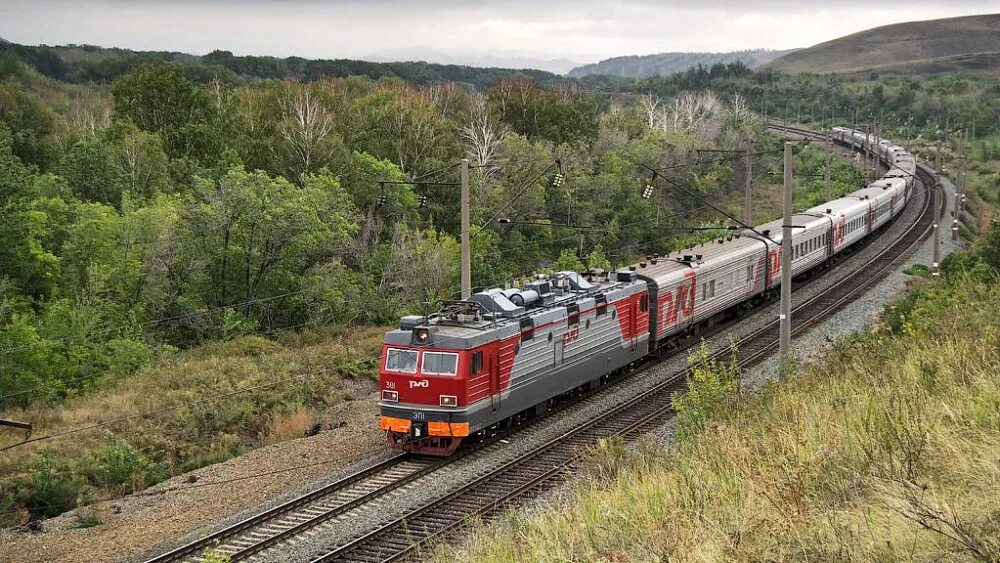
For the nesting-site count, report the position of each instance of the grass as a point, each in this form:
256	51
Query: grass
888	449
317	370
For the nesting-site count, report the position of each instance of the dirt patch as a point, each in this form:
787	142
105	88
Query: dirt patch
199	499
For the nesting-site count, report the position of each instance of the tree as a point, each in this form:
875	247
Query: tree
29	124
483	136
141	163
568	261
93	174
306	123
251	235
26	261
157	98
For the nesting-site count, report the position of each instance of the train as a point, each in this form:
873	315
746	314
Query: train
505	354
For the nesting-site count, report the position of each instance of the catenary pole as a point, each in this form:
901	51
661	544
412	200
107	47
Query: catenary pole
747	209
826	172
938	189
785	317
466	249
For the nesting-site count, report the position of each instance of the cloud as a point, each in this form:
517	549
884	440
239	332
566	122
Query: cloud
583	30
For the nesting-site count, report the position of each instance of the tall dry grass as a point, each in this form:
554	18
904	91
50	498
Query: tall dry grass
47	477
888	449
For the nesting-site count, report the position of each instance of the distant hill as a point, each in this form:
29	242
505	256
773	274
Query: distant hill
970	43
665	64
88	63
472	57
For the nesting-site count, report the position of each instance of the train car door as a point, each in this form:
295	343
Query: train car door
643	306
495	391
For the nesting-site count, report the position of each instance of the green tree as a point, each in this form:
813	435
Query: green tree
92	173
158	98
251	235
29	123
568	261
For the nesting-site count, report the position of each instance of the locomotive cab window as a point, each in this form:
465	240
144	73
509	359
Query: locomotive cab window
401	360
439	363
476	363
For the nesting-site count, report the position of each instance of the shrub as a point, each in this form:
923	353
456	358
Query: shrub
710	388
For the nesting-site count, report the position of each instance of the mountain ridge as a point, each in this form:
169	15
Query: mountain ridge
665	64
972	42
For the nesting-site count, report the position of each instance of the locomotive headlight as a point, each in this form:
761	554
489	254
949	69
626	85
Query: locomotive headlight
421	335
449	401
390	396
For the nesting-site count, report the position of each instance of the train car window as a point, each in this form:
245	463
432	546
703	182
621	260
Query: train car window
401	360
711	289
704	291
644	303
439	363
573	314
527	329
602	304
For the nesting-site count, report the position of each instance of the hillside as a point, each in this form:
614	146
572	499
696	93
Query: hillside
89	63
665	64
969	43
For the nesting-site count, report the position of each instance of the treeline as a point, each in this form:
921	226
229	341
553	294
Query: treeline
666	64
88	63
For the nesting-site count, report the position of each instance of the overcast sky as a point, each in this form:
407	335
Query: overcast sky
583	31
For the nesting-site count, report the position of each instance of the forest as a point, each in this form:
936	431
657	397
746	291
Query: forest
162	205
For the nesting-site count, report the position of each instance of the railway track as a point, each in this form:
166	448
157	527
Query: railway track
552	462
517	479
269	528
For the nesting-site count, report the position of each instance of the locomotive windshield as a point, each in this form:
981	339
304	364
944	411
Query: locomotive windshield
438	363
401	360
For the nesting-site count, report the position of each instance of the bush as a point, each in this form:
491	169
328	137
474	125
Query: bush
710	390
54	487
123	468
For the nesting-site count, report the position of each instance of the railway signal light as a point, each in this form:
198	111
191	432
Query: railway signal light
558	180
647	192
422	201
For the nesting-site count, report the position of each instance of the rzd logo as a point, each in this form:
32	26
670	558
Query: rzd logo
421	383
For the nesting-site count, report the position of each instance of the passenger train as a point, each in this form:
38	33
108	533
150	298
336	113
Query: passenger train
502	354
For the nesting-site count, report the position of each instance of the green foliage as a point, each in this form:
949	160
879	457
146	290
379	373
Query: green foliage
120	466
561	115
212	556
598	259
158	98
568	261
54	487
710	390
29	124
